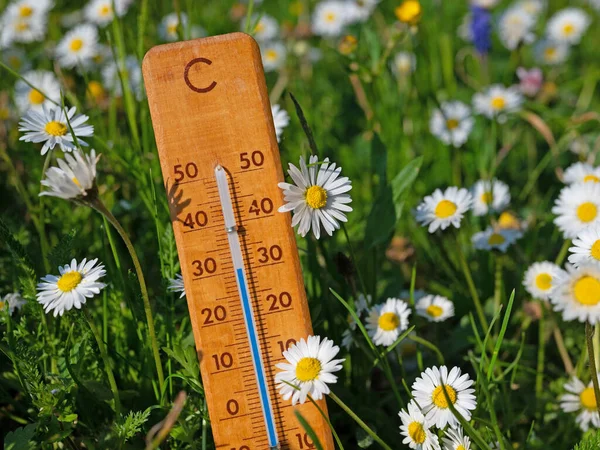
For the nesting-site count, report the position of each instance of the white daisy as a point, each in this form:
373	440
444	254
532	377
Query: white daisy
387	320
428	393
403	64
495	239
24	21
266	28
434	308
456	440
46	90
497	101
176	285
568	25
101	12
12	301
586	247
577	294
130	70
76	283
360	10
577	208
72	179
416	429
329	18
78	46
360	306
16	59
318	198
551	53
516	27
582	399
102	55
489	196
581	173
541	278
50	127
310	367
442	209
452	123
167	29
281	119
273	55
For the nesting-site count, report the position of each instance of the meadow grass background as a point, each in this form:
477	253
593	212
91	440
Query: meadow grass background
371	123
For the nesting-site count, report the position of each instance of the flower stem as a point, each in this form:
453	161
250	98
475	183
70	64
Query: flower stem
354	261
541	354
471	285
498	284
42	225
363	425
589	338
99	206
106	360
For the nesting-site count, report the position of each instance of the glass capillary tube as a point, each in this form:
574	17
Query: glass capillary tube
244	293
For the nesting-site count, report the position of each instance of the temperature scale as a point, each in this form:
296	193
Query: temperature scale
220	163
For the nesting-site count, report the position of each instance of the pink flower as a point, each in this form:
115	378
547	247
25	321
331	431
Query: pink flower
530	80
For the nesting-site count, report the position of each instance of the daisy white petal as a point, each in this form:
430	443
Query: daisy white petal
577	294
541	279
176	285
310	368
428	393
442	209
452	123
495	239
72	288
416	429
385	322
568	25
434	308
497	101
582	400
577	207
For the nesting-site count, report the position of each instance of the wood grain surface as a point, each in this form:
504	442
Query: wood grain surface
209	106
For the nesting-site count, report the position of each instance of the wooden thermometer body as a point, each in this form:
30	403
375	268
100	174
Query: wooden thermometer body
209	107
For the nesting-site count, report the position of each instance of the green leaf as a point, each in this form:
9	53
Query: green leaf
309	431
68	418
21	438
388	206
62	253
379	161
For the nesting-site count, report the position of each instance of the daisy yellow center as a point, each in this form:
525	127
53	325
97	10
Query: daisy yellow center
25	11
76	181
507	220
271	55
461	447
409	11
22	26
95	89
498	102
543	281
588	399
316	197
416	432
445	209
587	290
568	29
586	212
593	178
434	310
105	10
451	124
1	304
76	45
439	399
389	321
330	17
69	281
308	369
550	52
496	239
486	197
259	27
172	29
55	128
36	97
595	250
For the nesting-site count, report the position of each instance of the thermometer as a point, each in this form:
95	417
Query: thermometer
220	163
